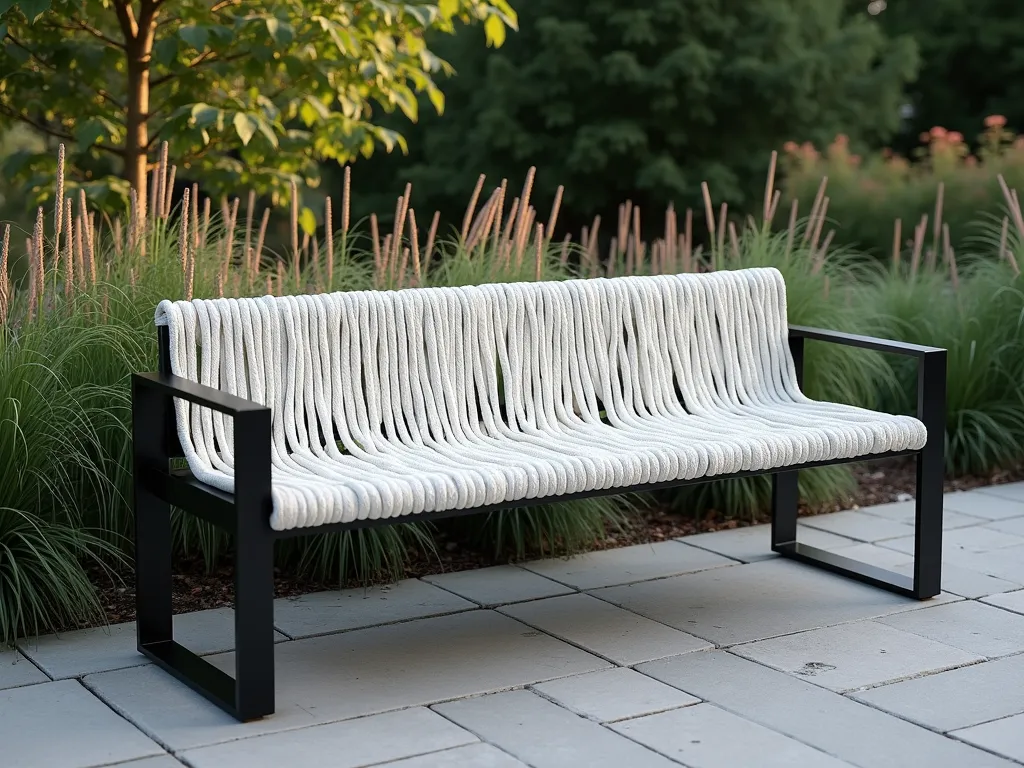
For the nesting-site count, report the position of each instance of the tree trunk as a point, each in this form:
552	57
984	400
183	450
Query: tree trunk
136	140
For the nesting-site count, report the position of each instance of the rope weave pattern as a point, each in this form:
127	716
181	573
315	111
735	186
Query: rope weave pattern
392	403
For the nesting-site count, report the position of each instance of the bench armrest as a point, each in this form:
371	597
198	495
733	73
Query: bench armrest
199	394
865	342
931	372
154	428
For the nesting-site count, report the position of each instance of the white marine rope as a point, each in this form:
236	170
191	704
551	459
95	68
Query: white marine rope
446	398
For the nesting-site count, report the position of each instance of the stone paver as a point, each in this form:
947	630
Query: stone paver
852	656
513	666
100	649
161	761
615	694
325	612
906	512
16	670
1011	491
985	504
1013	525
854	524
498	585
366	671
872	554
978	539
472	756
1009	601
755	601
704	736
1005	737
350	744
754	542
966	582
62	725
544	735
968	625
856	733
955	699
628	564
1006	563
604	629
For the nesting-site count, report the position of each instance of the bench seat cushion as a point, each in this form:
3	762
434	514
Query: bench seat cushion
394	403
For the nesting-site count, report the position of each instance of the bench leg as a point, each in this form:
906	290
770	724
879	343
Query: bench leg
152	524
254	622
926	580
248	695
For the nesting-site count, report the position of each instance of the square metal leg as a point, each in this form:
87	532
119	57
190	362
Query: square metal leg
926	581
249	695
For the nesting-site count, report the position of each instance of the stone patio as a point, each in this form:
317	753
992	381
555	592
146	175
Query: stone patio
708	652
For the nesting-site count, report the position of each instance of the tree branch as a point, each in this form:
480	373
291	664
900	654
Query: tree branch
126	18
103	94
206	57
50	130
41	127
223	4
82	26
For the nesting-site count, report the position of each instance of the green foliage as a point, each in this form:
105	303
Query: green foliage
970	60
646	100
64	365
43	587
65	413
53	476
867	194
363	555
981	324
246	93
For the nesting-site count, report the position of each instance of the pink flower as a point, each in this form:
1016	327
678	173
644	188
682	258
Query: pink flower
790	147
995	121
938	132
955	137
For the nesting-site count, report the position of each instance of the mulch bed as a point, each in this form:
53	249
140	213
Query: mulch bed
196	589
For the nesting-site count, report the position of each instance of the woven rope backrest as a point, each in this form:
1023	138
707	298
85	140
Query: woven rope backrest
349	372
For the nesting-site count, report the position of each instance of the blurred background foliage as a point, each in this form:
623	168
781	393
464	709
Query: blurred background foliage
892	210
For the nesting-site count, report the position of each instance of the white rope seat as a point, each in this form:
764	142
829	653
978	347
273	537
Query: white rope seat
393	403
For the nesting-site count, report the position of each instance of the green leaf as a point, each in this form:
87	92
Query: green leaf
89	132
448	8
307	114
165	51
196	36
33	9
245	127
436	98
281	32
494	30
268	132
344	39
16	52
307	220
406	101
204	115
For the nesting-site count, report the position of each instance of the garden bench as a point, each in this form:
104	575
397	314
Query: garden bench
306	414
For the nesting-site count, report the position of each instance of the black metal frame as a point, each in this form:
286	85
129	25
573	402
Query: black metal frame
249	694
